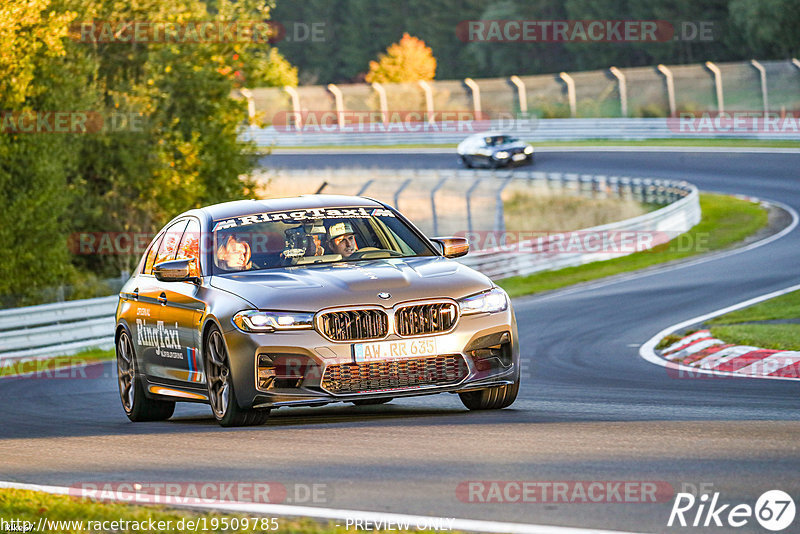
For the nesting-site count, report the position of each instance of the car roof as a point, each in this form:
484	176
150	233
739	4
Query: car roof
237	208
481	135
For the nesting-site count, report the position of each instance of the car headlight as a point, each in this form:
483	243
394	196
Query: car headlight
501	155
528	149
271	321
492	301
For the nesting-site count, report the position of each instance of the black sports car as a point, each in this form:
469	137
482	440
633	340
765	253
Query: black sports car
493	150
253	305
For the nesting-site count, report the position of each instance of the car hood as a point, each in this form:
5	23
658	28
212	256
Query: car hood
313	287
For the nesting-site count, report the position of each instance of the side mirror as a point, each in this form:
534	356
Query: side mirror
175	271
452	247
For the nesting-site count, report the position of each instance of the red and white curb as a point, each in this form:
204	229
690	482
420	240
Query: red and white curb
701	353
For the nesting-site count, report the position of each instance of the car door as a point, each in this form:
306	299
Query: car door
182	312
154	340
143	307
484	153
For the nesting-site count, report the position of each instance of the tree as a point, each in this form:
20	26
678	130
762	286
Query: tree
769	26
34	167
409	60
184	150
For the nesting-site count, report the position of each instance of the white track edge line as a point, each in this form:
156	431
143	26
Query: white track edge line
651	271
647	350
471	525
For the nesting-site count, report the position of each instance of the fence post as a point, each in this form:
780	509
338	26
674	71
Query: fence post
433	204
670	88
298	118
499	218
476	96
337	97
573	105
382	100
364	188
623	90
522	96
251	105
763	75
469	202
426	87
400	190
717	84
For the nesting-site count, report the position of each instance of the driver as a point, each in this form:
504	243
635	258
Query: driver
234	254
341	239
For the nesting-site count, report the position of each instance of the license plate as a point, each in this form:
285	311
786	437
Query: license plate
518	157
394	350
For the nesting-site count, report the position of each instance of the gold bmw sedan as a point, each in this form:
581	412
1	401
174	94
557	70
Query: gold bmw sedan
259	304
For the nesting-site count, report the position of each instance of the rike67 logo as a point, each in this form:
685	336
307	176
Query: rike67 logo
774	510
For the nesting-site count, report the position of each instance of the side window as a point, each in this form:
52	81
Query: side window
169	243
189	248
151	256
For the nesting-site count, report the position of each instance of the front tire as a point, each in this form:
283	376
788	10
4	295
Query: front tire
494	398
220	386
131	390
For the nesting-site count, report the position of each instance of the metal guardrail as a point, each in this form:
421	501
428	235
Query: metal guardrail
58	328
531	256
70	327
534	130
454	201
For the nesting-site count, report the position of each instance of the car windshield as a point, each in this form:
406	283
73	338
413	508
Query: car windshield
500	140
312	236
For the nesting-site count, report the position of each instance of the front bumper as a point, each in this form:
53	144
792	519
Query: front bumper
302	368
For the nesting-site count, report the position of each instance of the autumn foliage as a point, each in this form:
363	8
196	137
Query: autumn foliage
409	60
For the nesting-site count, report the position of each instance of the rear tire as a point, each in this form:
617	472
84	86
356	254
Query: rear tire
465	162
371	402
137	406
220	386
494	398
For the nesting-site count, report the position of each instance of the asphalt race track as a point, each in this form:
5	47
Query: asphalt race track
590	409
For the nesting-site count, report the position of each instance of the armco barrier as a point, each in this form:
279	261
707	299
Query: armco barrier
58	328
69	327
528	129
673	219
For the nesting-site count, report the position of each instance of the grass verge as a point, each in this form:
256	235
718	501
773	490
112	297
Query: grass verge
50	367
765	336
783	307
737	326
29	506
726	220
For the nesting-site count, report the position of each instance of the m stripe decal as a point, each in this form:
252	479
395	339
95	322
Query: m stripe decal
191	357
